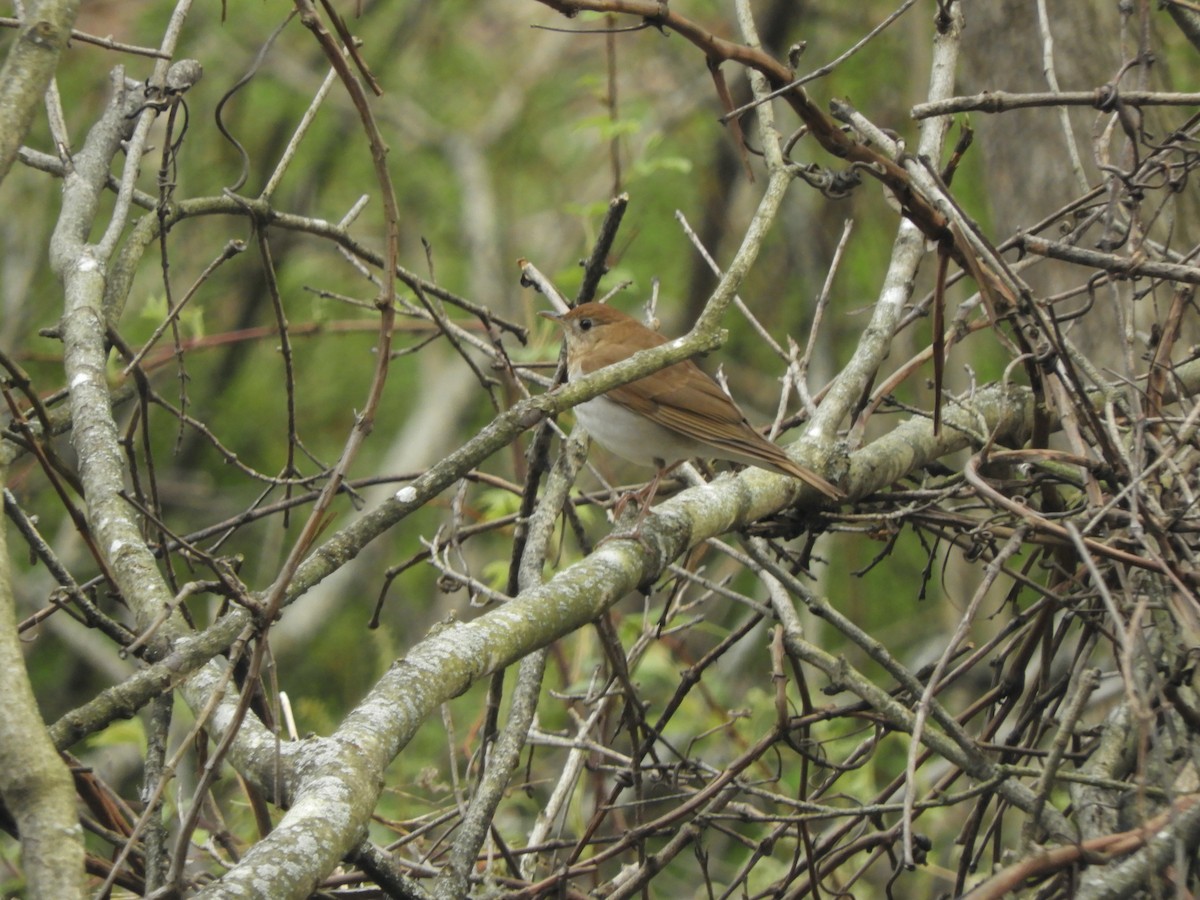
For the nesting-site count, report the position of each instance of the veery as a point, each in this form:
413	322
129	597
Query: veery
674	414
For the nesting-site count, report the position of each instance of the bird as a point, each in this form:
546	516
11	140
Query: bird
671	415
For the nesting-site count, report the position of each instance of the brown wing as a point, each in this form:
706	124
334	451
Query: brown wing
691	402
685	399
639	396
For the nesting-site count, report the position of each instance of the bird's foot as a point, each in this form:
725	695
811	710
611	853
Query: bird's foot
626	534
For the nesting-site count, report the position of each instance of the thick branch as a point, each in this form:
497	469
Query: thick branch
28	68
35	785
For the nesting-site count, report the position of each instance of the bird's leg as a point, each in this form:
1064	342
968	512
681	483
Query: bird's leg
644	496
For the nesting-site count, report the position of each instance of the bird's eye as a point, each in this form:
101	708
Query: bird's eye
585	324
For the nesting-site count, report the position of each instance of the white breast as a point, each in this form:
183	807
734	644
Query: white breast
631	436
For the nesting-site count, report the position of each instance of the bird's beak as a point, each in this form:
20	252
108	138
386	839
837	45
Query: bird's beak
554	317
